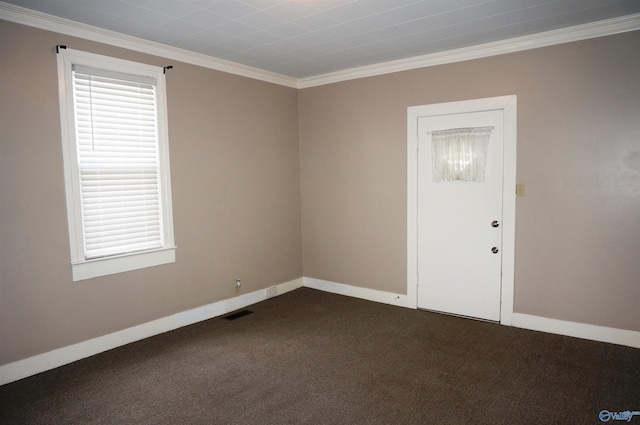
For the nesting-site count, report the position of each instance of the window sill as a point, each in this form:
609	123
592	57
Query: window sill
88	269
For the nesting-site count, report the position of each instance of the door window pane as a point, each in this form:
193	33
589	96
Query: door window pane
460	154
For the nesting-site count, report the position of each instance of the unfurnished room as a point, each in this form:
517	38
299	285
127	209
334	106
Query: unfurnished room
319	211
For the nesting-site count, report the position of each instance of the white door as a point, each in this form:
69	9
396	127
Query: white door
459	223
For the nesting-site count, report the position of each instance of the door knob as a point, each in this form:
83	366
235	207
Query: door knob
495	223
494	250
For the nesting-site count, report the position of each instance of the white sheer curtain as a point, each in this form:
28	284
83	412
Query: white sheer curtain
460	154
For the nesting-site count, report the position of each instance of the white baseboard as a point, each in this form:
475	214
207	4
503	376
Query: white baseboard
52	359
357	292
518	320
578	330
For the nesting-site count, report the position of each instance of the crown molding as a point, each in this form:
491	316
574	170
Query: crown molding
47	22
44	21
517	44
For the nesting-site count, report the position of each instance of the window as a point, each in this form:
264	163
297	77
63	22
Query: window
116	162
460	154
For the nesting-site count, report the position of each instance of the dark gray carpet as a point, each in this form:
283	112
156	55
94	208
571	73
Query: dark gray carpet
309	357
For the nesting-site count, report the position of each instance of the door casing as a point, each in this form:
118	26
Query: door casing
508	104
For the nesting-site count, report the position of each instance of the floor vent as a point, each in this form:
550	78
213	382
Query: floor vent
237	315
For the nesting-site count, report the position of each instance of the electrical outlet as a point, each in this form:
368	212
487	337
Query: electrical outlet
238	284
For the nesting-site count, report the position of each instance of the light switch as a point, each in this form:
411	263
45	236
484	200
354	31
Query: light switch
520	189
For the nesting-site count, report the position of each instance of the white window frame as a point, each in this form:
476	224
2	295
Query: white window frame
83	268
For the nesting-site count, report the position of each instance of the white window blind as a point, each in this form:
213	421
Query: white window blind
113	115
118	162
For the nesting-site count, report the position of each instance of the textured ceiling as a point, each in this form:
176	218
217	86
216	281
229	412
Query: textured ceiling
304	38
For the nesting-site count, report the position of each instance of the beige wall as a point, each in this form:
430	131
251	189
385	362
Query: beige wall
578	227
238	165
236	199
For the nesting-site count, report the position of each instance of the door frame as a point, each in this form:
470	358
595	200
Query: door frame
508	104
